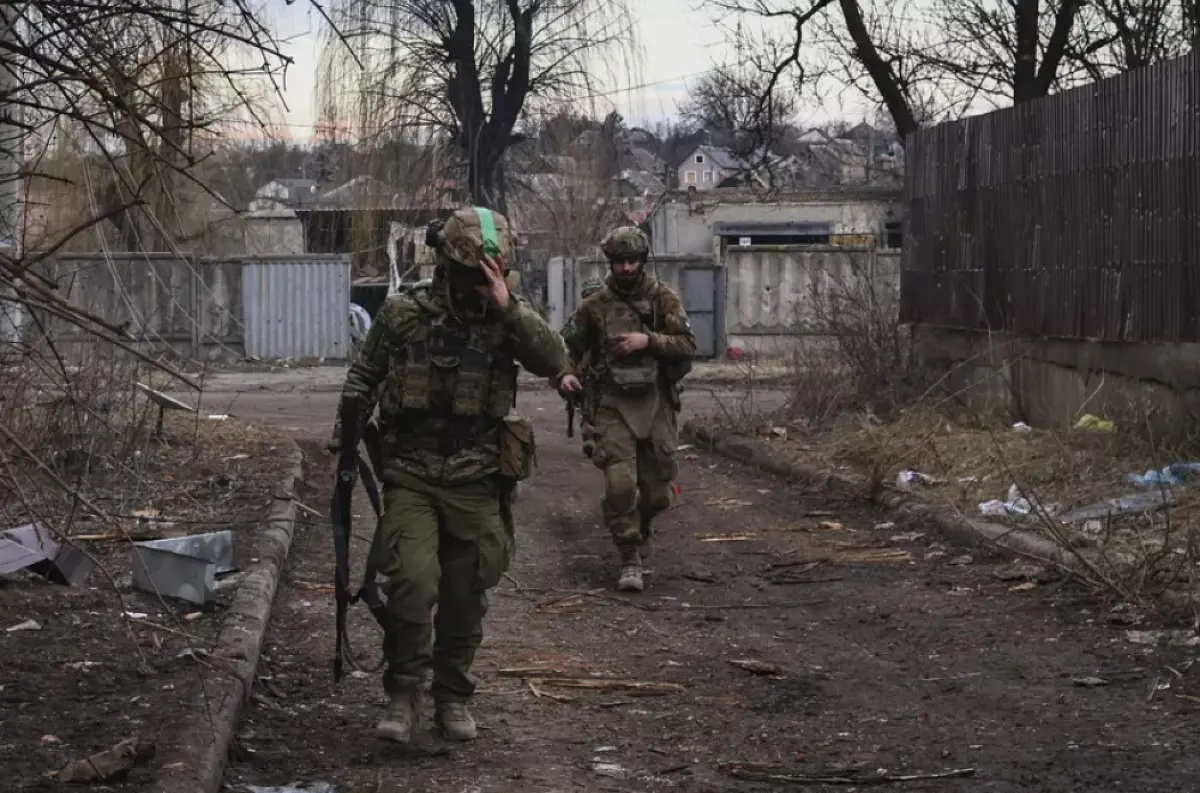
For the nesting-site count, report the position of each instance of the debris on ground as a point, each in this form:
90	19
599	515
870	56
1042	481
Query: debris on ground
110	765
1174	638
1131	504
315	787
1089	682
756	667
906	480
30	547
602	684
27	625
611	770
1174	474
849	776
1016	504
183	567
1094	424
874	555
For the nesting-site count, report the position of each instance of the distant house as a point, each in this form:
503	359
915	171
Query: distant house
283	194
705	167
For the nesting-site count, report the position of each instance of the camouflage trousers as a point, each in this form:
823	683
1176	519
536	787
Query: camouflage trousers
440	547
639	473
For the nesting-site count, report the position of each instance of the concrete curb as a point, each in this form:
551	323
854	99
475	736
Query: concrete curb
198	764
954	527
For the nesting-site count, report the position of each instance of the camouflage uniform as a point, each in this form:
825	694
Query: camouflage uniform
442	368
586	428
635	423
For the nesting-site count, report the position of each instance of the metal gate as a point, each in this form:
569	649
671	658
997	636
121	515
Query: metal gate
700	288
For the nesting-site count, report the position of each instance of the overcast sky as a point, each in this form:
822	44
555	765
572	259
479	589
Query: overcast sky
678	43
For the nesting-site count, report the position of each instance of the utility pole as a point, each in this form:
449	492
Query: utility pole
11	155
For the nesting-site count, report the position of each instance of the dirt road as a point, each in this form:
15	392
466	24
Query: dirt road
767	638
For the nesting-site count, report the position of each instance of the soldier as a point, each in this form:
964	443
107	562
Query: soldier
640	344
441	363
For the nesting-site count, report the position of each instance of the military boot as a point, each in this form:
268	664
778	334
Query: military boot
647	535
455	721
631	570
402	716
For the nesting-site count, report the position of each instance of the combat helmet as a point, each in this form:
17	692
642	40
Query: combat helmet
471	232
626	242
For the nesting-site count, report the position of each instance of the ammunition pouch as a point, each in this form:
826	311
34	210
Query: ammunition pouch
518	449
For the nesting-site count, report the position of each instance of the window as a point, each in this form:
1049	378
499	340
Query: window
689	177
893	234
708	177
699	159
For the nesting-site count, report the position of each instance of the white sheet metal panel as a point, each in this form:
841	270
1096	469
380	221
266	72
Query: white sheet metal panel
297	306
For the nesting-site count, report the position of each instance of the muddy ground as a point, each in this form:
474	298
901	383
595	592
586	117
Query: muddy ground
82	668
872	647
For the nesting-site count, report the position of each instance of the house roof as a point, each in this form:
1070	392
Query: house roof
646	160
723	158
368	193
643	181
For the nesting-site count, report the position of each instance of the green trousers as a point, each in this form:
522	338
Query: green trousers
440	547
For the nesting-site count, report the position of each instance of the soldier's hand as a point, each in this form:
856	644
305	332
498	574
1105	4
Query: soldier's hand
569	385
628	343
496	290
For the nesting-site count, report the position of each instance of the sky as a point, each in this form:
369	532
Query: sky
679	42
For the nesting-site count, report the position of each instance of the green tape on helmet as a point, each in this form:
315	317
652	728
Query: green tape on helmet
487	228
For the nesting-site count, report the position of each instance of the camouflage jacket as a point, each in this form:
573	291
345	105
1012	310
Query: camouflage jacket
591	329
375	378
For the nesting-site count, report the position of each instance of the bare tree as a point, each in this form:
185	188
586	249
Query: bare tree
468	69
924	60
743	105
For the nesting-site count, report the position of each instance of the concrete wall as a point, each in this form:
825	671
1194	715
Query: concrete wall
683	227
770	296
278	233
777	297
1052	382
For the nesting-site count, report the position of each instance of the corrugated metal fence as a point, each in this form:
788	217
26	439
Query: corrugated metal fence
209	308
297	308
1073	216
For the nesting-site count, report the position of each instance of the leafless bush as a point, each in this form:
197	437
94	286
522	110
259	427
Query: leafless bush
853	352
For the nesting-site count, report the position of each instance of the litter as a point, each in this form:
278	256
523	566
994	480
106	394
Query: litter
1021	426
183	567
27	625
1016	505
29	546
1095	424
905	480
729	538
1174	474
1089	682
315	787
1125	505
908	536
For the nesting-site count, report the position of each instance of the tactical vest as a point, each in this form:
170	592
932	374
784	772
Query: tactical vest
455	370
632	374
